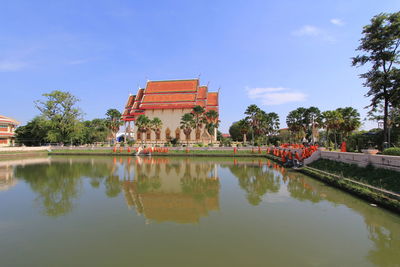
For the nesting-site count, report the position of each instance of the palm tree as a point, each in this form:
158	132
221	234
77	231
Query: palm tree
187	125
294	121
143	125
212	122
113	121
156	125
198	113
351	120
244	129
251	118
332	121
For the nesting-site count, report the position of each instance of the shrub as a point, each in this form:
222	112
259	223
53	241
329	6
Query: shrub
393	151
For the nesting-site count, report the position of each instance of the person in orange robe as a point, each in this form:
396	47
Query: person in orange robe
343	147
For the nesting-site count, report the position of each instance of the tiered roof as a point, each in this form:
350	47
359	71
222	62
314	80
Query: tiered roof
173	94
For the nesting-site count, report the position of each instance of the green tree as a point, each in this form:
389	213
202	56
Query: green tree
114	121
198	113
244	129
156	125
350	120
143	124
211	122
34	133
252	119
96	130
380	49
303	122
187	124
63	115
332	120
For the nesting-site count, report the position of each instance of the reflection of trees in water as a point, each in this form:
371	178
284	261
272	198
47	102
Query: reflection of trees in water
256	181
387	245
58	184
384	232
301	190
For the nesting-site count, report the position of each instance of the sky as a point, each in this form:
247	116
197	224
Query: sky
279	55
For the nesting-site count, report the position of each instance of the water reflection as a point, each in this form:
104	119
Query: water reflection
177	191
58	184
256	179
186	190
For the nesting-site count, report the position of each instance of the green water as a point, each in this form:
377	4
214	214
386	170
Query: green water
104	211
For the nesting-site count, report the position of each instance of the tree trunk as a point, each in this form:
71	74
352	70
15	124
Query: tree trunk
335	140
327	138
385	119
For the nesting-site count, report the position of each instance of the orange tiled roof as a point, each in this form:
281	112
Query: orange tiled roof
168	98
212	99
172	86
202	94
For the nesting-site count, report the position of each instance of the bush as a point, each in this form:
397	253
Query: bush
393	151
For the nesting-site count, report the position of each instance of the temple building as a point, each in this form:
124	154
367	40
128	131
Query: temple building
7	128
169	101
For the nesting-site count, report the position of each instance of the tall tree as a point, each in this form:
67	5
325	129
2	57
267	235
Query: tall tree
252	112
198	113
303	122
244	128
187	124
211	123
350	120
156	125
332	119
143	124
380	49
295	122
114	121
63	115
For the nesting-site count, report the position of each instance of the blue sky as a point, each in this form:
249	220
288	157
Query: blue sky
277	54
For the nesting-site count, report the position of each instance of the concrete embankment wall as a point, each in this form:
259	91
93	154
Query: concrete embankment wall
24	149
362	160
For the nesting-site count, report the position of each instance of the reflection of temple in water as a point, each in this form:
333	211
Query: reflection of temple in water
7	177
180	192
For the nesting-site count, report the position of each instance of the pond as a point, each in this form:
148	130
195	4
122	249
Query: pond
159	211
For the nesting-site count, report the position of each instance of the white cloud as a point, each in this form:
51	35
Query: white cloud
337	22
308	30
6	65
313	31
275	96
